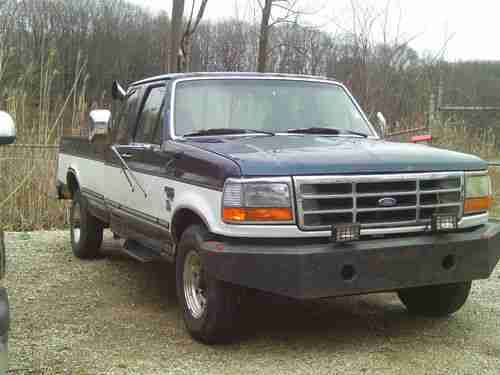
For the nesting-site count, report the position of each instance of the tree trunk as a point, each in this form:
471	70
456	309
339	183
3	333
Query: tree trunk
187	37
186	50
176	35
264	37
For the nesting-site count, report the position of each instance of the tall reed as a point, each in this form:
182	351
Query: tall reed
28	169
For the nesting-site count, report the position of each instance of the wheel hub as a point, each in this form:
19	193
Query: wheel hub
76	222
194	285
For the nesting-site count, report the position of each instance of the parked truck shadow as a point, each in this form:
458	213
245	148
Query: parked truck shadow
347	319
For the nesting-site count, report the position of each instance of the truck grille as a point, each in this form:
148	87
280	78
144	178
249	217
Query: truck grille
377	201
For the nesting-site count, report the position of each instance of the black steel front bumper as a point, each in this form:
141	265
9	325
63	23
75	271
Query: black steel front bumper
315	270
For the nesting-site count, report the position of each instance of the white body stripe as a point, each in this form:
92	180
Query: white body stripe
112	184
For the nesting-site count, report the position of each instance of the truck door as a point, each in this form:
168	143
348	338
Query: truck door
144	157
114	184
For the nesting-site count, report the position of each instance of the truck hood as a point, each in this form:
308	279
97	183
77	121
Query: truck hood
295	155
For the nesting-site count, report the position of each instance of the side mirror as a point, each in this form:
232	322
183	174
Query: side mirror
118	92
7	129
382	122
99	123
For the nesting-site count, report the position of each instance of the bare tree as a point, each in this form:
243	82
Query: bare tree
288	8
176	35
264	35
187	37
380	70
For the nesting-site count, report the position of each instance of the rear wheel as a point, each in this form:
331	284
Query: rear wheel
435	300
209	305
86	230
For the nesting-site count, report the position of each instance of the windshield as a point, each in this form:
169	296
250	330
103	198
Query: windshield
267	105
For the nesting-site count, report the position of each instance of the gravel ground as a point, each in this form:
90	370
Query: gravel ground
117	316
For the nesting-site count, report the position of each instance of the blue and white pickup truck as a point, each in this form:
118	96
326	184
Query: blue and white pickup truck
278	183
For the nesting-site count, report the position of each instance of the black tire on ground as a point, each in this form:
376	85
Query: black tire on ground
86	230
212	320
435	300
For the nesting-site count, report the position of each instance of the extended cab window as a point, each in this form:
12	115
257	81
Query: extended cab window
150	119
126	118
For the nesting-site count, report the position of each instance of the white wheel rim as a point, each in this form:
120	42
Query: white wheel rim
194	285
76	222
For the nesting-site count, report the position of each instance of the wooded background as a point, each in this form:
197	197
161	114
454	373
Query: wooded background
46	46
58	59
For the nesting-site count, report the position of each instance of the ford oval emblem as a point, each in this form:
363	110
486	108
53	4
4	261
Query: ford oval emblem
387	202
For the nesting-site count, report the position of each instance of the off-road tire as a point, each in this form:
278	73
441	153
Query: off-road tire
435	300
216	324
86	244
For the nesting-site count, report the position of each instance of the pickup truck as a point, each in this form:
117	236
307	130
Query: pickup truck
277	183
7	136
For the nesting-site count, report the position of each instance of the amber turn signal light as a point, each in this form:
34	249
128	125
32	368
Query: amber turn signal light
475	205
241	215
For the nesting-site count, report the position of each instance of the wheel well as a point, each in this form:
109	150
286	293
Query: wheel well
182	220
73	185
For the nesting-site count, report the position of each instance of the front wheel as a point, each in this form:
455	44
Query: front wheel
435	300
86	230
209	305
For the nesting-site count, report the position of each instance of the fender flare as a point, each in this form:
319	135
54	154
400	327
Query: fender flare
72	172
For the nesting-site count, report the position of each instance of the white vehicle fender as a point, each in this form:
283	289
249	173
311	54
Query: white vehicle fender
206	206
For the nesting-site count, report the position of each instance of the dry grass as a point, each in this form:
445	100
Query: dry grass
29	208
455	135
28	173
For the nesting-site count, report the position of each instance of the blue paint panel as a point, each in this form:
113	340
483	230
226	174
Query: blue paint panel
289	155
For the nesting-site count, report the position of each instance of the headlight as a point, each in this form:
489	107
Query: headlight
247	202
478	193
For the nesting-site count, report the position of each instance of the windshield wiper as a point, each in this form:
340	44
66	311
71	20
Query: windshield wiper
327	131
224	131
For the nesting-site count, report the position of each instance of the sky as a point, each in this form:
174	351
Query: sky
469	29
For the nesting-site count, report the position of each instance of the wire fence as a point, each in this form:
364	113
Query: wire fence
27	175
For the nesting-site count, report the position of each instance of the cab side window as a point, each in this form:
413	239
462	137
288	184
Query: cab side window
150	120
125	118
159	127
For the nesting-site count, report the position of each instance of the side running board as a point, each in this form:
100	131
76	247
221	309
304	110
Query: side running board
141	253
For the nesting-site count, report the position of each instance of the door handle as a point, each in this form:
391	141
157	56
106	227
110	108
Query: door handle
127	156
175	157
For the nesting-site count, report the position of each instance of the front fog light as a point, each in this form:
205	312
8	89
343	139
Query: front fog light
346	232
444	223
